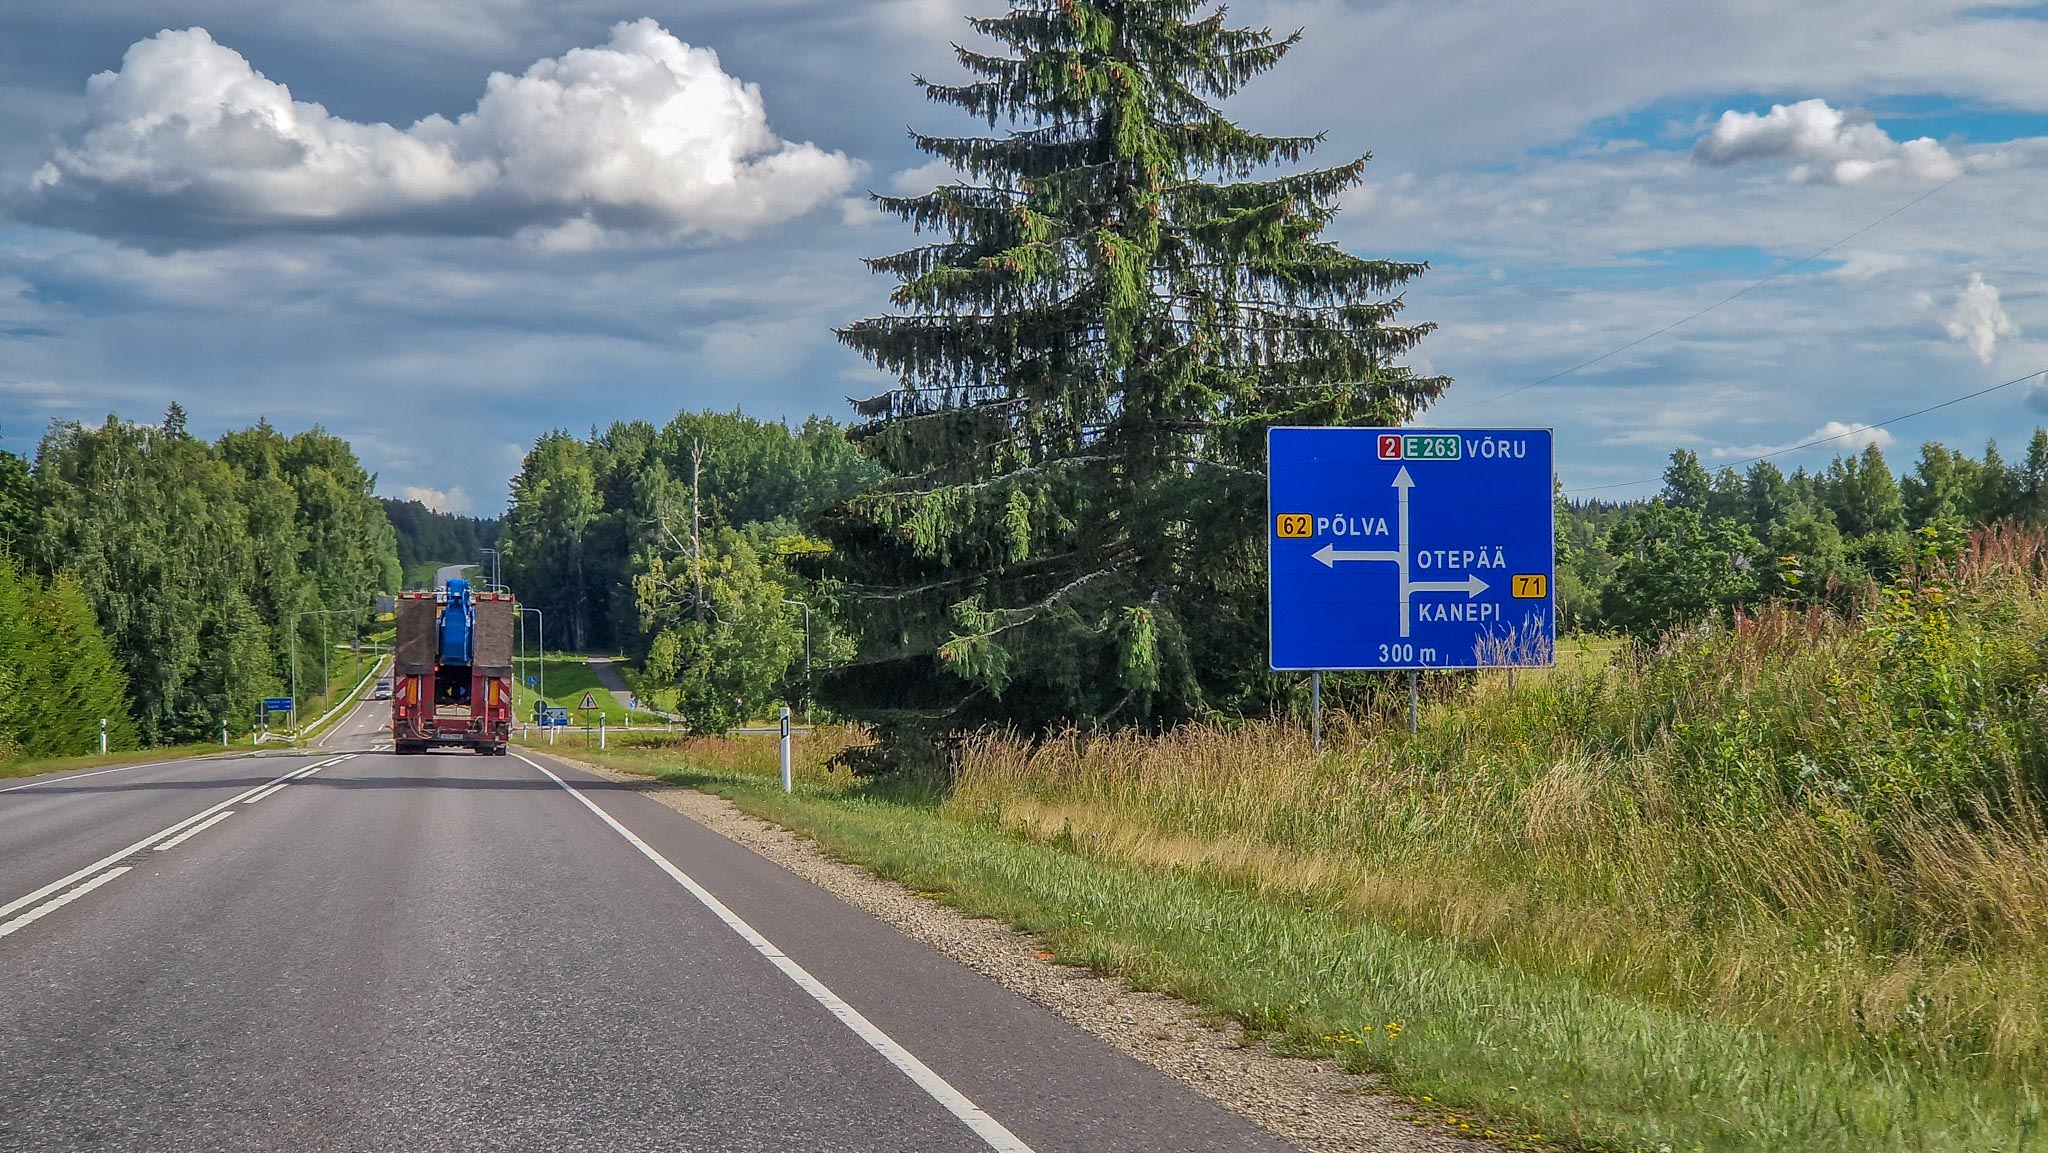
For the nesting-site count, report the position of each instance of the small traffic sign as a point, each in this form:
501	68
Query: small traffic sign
532	681
589	701
277	704
1398	549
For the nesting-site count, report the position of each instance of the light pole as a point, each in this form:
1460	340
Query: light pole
540	635
494	566
294	630
807	654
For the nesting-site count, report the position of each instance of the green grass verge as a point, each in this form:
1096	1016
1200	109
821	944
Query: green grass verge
1546	1060
569	677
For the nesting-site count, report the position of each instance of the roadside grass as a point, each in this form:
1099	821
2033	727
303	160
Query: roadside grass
568	678
34	768
1780	886
1546	1061
420	574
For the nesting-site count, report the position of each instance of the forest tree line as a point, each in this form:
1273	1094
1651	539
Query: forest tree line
673	544
429	538
1712	542
186	563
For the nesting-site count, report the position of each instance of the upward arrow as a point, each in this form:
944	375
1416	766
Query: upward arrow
1402	483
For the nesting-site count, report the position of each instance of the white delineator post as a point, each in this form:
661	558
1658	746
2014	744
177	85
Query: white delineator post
785	749
103	736
600	730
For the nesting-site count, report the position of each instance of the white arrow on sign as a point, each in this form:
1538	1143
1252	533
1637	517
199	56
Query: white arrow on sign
1471	586
1330	554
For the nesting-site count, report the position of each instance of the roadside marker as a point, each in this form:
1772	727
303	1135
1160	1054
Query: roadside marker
991	1131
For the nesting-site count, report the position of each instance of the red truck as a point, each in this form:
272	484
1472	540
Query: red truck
452	678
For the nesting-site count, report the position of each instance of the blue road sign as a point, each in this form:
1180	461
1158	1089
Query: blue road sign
532	681
1410	548
277	704
553	718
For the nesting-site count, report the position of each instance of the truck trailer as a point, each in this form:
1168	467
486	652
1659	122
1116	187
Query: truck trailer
452	677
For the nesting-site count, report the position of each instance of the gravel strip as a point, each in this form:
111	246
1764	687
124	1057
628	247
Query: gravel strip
1313	1104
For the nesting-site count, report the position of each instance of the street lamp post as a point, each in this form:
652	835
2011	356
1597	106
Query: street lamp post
540	635
494	566
294	640
807	654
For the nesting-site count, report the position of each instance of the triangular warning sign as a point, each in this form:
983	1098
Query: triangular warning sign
589	701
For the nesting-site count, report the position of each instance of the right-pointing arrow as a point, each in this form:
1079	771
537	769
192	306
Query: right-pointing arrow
1471	586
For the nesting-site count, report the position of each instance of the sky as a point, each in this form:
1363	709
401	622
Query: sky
440	228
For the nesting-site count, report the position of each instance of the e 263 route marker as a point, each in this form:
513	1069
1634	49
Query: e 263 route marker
1410	549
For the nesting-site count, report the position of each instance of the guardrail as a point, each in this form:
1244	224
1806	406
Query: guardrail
350	699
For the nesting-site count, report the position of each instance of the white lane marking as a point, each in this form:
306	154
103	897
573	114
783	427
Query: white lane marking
266	792
347	720
144	843
991	1131
288	778
32	915
181	838
61	778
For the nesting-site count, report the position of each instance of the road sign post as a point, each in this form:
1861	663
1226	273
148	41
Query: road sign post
1315	711
1406	550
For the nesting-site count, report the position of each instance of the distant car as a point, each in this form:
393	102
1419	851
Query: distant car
382	692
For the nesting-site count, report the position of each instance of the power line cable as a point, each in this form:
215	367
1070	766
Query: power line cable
1853	431
1968	166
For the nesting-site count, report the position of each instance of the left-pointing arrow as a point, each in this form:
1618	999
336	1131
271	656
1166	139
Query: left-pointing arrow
1330	554
1471	586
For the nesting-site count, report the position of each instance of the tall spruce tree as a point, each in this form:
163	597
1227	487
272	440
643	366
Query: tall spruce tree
1121	298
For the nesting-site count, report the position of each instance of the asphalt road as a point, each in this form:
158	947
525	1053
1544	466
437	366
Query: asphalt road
298	952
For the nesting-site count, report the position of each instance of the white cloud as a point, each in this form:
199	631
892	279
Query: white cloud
450	500
923	178
1978	318
1835	437
646	133
1825	144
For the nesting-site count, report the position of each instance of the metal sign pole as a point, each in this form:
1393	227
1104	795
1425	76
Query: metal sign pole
1411	700
1315	711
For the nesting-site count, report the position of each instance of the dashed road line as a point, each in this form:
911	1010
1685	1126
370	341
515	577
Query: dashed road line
290	777
32	915
991	1131
73	878
194	831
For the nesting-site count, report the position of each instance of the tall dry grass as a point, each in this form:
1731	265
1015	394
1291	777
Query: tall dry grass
1824	823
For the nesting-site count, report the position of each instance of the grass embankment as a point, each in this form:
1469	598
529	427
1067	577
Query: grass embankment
569	677
1782	886
345	670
